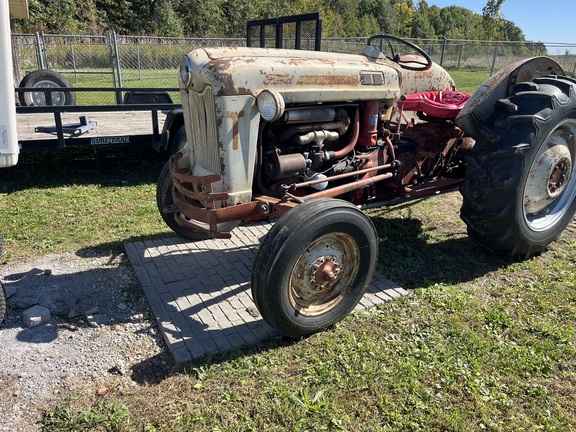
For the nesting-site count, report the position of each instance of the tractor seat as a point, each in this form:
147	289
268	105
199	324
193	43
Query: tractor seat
443	104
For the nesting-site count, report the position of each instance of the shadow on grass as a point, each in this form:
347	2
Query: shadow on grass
415	257
409	254
126	165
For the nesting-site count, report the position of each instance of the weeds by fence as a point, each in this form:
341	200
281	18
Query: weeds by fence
146	61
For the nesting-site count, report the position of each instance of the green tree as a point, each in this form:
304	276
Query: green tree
491	20
404	18
511	32
166	20
202	18
87	15
421	25
53	16
381	10
121	16
227	18
457	23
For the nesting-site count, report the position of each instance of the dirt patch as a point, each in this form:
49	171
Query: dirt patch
99	333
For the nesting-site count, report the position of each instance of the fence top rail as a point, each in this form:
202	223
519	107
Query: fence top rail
236	41
151	37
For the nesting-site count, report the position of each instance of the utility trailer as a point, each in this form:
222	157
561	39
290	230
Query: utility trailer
148	116
41	112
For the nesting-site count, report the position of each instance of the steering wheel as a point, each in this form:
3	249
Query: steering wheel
419	62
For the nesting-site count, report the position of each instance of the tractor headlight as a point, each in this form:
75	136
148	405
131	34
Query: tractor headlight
185	71
271	105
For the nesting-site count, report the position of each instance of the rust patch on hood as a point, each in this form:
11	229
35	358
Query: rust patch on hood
328	80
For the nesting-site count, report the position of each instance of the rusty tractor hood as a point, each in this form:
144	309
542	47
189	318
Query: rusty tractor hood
305	76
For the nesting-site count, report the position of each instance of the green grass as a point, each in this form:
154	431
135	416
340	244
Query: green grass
469	80
62	200
102	78
483	342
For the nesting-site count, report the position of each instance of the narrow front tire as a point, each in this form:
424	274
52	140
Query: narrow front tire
314	266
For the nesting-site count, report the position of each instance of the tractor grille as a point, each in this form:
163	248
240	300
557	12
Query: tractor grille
204	139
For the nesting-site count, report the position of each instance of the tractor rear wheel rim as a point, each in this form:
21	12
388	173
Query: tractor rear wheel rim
550	187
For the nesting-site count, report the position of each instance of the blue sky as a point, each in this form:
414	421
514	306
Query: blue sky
541	21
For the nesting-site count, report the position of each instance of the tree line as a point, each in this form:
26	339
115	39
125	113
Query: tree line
227	18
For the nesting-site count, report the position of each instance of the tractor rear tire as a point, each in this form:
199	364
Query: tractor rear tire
519	191
314	266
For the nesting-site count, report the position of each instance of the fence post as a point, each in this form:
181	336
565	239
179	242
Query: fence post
460	55
45	51
74	62
443	52
39	55
138	59
494	59
119	95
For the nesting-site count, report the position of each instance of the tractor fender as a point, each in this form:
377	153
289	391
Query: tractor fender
474	117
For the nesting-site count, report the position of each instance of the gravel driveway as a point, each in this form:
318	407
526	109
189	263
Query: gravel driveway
98	333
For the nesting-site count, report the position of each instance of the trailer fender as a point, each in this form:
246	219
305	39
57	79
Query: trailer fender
174	121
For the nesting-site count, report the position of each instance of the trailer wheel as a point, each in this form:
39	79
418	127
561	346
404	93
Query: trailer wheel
314	266
520	189
41	79
164	199
2	293
2	303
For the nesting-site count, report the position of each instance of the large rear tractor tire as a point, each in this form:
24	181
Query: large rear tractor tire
519	191
314	266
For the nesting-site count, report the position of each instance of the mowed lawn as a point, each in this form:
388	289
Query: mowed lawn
482	343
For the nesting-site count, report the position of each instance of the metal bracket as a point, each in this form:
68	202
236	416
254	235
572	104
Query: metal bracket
73	129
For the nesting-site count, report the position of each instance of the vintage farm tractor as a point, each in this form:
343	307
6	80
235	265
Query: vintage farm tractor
314	137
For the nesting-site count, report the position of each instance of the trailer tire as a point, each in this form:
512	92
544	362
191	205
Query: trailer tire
313	266
2	303
45	79
519	191
2	293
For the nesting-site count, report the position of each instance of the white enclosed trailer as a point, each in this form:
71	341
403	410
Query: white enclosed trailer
8	133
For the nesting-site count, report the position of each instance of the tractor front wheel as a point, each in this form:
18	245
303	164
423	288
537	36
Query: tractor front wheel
314	266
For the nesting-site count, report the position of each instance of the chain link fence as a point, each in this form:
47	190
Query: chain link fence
109	61
459	54
152	62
